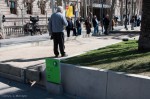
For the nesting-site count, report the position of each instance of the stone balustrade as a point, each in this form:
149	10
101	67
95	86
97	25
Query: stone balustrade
17	31
14	27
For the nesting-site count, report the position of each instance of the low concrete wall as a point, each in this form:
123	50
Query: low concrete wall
83	82
8	69
19	74
123	86
89	83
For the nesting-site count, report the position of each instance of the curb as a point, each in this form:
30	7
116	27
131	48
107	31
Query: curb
20	74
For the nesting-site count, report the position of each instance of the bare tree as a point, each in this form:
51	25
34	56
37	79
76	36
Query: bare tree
112	10
121	11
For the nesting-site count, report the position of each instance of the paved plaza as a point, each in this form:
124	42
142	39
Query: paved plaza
29	51
34	53
15	90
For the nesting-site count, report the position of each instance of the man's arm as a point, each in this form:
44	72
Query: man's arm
65	23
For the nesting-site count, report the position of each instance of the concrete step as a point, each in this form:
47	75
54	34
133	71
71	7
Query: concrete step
3	5
4	8
2	2
5	12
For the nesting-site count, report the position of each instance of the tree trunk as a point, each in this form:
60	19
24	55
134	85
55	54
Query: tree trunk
135	7
85	9
111	14
144	40
121	12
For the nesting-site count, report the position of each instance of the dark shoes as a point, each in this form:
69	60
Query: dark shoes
65	55
56	56
106	33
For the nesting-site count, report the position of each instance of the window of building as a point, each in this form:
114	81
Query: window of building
13	7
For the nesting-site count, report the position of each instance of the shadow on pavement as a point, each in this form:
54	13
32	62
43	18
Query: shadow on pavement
15	90
25	60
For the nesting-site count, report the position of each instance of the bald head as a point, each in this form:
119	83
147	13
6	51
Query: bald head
59	9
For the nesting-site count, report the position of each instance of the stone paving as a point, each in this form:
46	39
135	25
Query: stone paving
33	54
16	90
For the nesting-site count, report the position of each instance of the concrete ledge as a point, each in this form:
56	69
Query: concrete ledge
31	74
90	83
122	86
84	83
8	69
54	88
19	74
12	77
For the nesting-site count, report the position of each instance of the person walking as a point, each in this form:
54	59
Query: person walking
88	27
57	22
78	26
95	25
69	27
113	24
106	22
138	22
132	22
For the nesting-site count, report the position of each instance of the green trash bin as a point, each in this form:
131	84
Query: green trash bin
53	74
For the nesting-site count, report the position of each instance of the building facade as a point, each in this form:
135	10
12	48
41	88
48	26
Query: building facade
43	8
24	9
134	7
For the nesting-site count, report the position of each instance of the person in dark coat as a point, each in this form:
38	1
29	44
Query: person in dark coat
88	27
106	22
78	26
70	27
56	25
132	22
138	22
95	25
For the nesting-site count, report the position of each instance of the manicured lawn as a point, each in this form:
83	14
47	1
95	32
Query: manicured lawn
122	57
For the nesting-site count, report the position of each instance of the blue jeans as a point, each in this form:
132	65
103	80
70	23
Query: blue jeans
96	30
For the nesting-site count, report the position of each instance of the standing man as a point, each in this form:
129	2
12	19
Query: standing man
57	23
95	25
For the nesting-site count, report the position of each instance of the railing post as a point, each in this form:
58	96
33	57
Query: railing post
3	32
